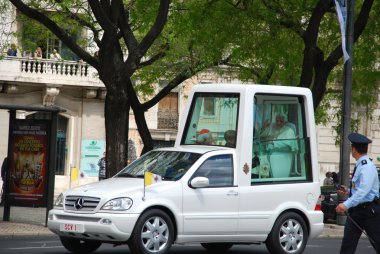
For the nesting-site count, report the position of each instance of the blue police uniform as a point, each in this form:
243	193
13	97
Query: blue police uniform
364	182
363	203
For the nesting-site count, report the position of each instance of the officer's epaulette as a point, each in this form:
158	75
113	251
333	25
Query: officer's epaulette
364	162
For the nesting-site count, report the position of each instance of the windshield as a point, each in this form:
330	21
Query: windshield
170	165
212	120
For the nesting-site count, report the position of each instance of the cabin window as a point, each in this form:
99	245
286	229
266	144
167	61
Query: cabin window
212	120
280	148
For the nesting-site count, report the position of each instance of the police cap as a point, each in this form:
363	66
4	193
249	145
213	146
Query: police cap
360	139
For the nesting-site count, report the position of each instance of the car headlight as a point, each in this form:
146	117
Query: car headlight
59	201
118	204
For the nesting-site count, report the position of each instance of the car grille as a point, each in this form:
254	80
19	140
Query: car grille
79	203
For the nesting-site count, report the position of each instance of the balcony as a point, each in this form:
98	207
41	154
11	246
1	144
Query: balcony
167	120
23	71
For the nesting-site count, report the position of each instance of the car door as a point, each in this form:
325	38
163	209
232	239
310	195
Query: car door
212	210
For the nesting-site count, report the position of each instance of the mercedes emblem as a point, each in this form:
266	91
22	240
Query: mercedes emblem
79	203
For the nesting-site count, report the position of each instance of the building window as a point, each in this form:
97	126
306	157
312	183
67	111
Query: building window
208	106
167	114
35	35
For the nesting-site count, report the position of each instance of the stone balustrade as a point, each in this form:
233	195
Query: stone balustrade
24	70
167	120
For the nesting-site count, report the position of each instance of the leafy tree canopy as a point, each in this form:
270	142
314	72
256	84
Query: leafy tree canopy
294	42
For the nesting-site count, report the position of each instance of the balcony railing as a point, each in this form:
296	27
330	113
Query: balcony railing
68	68
167	120
47	71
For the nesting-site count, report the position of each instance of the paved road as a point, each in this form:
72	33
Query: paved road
51	244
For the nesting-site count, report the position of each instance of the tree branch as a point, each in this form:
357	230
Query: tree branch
313	54
100	15
125	29
333	59
157	27
311	34
85	23
178	79
152	60
285	20
360	23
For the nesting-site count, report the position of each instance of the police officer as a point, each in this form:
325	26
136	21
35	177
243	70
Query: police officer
363	202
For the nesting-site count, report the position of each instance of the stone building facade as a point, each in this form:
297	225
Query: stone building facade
74	86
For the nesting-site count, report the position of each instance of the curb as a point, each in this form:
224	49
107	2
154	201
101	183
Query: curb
12	229
332	231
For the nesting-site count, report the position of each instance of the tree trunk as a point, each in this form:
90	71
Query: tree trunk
140	119
143	131
116	111
320	84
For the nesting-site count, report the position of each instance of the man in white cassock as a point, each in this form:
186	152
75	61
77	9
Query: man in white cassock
281	146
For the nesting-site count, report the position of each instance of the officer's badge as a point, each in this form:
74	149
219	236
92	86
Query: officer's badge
364	162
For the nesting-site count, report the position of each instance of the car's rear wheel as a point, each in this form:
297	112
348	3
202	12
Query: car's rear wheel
79	246
153	233
217	247
289	235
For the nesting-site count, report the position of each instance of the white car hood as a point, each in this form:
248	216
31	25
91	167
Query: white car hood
111	187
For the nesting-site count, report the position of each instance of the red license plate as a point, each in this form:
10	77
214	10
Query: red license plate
71	227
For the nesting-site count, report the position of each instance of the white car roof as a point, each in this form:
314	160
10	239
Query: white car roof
193	148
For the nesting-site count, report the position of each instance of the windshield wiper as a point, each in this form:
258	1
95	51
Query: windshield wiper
126	175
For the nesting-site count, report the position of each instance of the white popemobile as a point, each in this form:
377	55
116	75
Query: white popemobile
221	184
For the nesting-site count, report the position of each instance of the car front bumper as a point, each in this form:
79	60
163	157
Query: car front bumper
105	227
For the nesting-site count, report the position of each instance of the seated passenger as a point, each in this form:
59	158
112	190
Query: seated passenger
281	144
255	166
229	136
204	137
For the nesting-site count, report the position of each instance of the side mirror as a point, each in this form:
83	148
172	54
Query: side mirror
199	182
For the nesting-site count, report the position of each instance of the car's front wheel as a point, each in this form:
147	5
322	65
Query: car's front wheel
79	246
217	247
289	235
153	233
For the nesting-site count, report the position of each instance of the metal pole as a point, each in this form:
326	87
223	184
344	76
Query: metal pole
346	100
52	163
7	207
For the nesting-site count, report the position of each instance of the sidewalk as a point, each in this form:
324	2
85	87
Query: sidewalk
24	221
27	221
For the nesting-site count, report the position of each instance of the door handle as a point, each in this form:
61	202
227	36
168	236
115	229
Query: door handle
232	193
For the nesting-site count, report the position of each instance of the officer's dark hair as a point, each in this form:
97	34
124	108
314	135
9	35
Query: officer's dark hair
361	148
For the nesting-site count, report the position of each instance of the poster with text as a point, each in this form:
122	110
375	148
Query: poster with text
28	162
92	151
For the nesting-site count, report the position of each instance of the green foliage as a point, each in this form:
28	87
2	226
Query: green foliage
257	41
33	34
5	31
262	41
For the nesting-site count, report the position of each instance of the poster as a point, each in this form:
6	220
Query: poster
92	151
28	162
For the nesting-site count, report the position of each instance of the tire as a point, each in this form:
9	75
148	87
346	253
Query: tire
79	246
153	233
217	247
289	235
